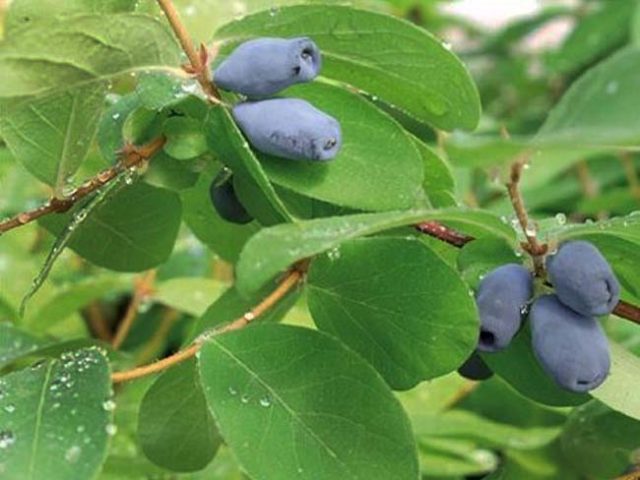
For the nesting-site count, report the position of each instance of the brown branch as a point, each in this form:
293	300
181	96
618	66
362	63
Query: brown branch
131	156
290	281
199	59
533	247
142	289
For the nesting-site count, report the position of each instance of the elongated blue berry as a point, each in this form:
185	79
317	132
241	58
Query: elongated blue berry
501	297
265	66
225	200
570	347
289	128
583	279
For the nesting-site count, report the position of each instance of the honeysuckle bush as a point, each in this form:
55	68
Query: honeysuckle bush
351	372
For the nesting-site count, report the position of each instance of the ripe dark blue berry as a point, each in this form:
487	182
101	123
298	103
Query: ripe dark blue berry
225	200
265	66
289	128
570	347
500	298
475	368
583	279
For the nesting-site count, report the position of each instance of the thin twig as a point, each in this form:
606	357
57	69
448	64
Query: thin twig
446	234
463	392
533	247
97	321
587	183
143	288
131	157
290	281
631	173
199	59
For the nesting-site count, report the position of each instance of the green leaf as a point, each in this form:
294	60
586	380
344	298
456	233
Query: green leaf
134	230
600	108
479	257
82	50
287	244
519	367
110	138
185	138
72	297
453	457
51	134
459	424
422	78
378	167
595	35
615	391
438	180
189	295
231	305
175	428
157	90
227	143
15	343
599	442
55	418
26	13
379	297
295	403
223	237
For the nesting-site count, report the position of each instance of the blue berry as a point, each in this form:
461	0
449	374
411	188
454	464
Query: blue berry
475	369
265	66
500	298
289	128
583	279
570	347
225	200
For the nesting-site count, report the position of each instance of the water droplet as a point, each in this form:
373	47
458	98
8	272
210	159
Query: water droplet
190	11
111	429
7	438
531	231
273	11
80	428
561	218
265	401
244	398
109	405
73	454
115	116
233	391
612	87
249	316
10	408
447	45
334	254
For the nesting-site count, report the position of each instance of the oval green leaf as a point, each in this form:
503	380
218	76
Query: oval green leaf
423	78
396	303
295	403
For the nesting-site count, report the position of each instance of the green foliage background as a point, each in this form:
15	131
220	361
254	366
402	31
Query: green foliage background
353	374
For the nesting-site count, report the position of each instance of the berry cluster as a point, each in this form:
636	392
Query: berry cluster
290	128
567	340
